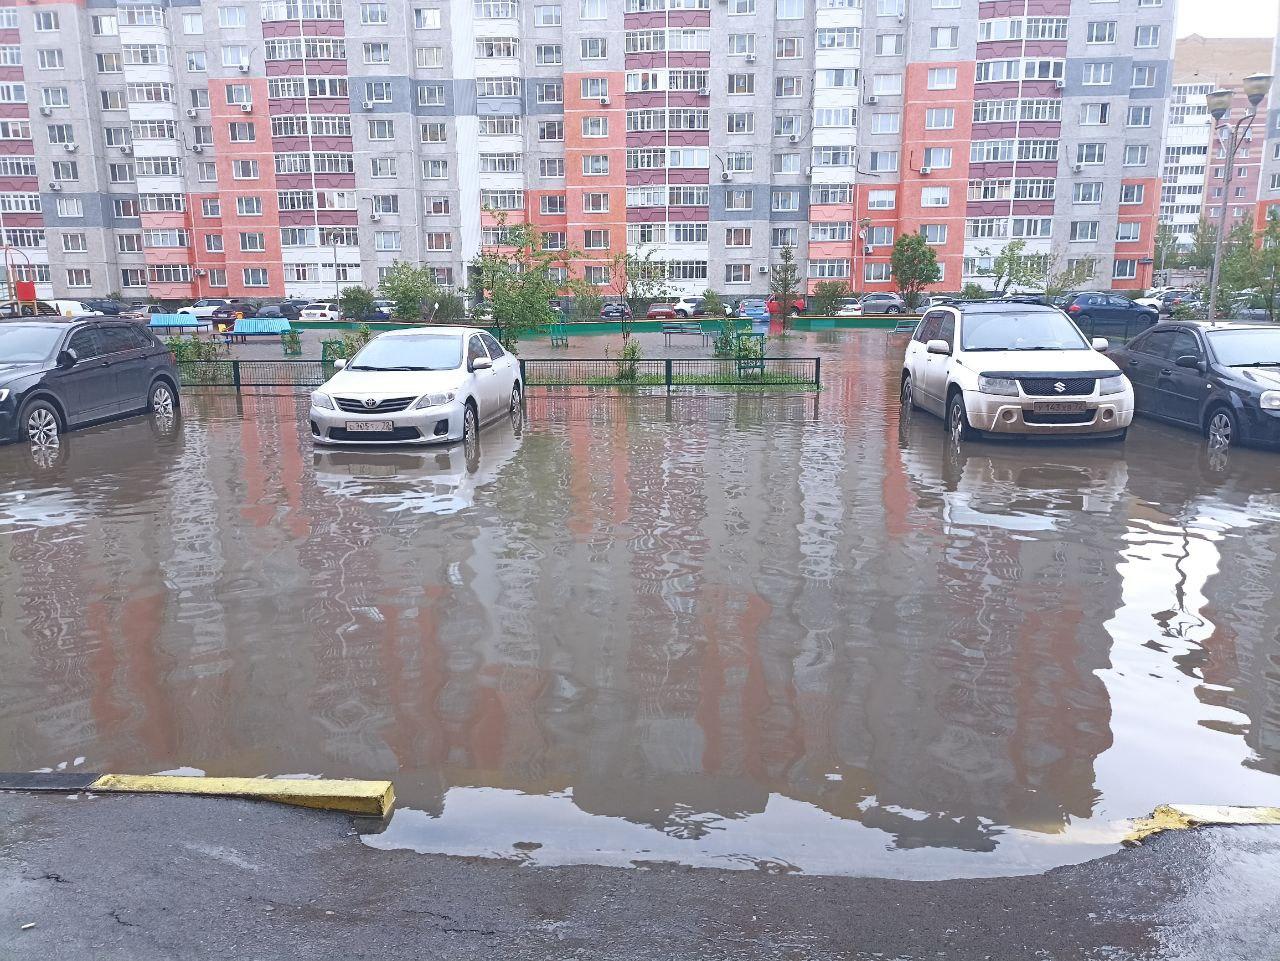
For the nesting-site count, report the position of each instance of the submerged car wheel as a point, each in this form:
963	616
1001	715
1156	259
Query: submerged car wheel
515	398
908	402
40	423
162	400
470	425
958	419
1221	429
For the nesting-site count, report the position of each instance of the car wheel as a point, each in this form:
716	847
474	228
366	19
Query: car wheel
163	401
893	309
40	423
958	419
515	398
470	422
1221	430
908	401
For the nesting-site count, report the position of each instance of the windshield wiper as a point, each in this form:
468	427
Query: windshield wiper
974	350
1258	363
365	367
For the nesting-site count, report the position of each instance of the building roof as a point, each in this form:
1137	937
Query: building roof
1221	61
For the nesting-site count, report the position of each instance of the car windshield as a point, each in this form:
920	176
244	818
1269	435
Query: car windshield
1031	331
410	352
1248	347
27	343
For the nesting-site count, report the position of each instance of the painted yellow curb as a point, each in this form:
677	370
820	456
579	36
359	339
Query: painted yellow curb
372	798
1181	817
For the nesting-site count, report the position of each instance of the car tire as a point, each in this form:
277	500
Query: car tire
908	400
893	309
516	397
1222	429
40	423
470	421
958	428
161	399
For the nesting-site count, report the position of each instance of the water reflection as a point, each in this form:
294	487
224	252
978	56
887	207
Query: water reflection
760	631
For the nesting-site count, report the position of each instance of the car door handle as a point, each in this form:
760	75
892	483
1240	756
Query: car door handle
1167	372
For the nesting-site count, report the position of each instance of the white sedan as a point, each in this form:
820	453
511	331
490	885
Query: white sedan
203	308
423	385
321	310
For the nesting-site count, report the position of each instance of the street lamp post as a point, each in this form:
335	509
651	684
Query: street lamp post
1230	136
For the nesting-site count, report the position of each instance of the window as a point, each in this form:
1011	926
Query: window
785	200
1126	269
552	203
373	13
61	133
739	161
888	44
783	237
548	54
427	18
737	273
104	25
877	273
838	38
255	276
886	123
1092	114
1128	231
1100	31
429	58
595	165
935	196
430	94
249	206
740	122
50	59
1084	230
195	62
113	63
593	10
378	91
887	84
75	243
1147	35
790	9
1144	76
79	277
1032	227
1091	153
595	203
881	200
551	131
378	52
386	240
551	92
70	207
55	97
742	44
595	239
1132	193
253	241
213	244
934	234
386	203
211	207
192	24
595	88
944	38
942	78
788	86
741	8
234	55
741	83
939	118
1139	117
231	17
840	231
593	48
382	130
737	237
1087	193
244	169
551	167
738	198
937	157
788	48
1097	74
1135	155
65	170
241	131
546	15
786	163
883	161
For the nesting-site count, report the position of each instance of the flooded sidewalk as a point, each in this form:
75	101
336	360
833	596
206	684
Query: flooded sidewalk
768	632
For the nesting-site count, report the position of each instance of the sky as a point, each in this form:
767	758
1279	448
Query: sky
1228	18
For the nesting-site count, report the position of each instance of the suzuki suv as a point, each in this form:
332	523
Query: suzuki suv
1009	368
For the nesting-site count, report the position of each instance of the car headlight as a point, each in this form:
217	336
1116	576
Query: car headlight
998	385
435	400
4	394
1270	399
1112	385
321	400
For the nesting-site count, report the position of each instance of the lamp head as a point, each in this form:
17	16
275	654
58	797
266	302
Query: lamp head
1219	103
1256	87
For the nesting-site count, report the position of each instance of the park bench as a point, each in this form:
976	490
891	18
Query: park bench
178	322
906	326
247	327
678	329
559	334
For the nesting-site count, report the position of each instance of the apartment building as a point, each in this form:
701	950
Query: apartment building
297	146
1269	119
1192	171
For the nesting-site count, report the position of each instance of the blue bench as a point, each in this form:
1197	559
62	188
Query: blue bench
178	322
248	327
685	328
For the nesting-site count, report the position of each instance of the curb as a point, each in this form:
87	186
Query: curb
1183	817
368	798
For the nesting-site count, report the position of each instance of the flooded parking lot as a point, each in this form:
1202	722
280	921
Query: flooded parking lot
787	632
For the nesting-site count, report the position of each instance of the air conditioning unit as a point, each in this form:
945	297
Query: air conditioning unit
764	268
46	111
246	108
704	91
604	101
375	217
191	112
872	100
1077	168
70	147
1060	84
201	272
925	171
725	175
367	105
126	150
197	148
808	171
55	186
244	68
867	250
751	58
794	138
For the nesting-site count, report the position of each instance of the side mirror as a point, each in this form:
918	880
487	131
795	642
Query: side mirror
481	363
1101	343
67	358
1190	361
340	363
938	347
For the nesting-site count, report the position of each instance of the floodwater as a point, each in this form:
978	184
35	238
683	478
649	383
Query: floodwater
778	632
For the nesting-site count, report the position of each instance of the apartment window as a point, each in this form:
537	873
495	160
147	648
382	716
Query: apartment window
113	63
66	170
944	38
133	277
595	88
430	94
551	167
737	273
241	131
738	198
249	206
104	25
593	48
1132	193
596	276
382	167
50	59
234	55
79	277
785	200
546	15
741	83
595	127
790	9
1144	76
838	38
888	44
192	24
1125	269
1032	227
883	161
1139	117
1094	113
429	58
593	10
1147	35
55	97
255	276
70	207
552	203
742	44
890	123
386	203
378	91
1097	74
252	242
1084	230
244	169
377	52
207	172
551	131
788	86
937	157
1128	232
231	17
1100	31
211	207
75	243
840	231
61	133
426	18
881	200
551	92
595	165
373	13
786	163
934	234
887	84
742	8
788	48
129	243
1135	155
786	124
382	130
737	237
877	273
783	237
1091	153
386	240
935	197
739	161
833	117
196	62
595	240
548	54
595	203
939	78
740	122
554	240
939	118
213	244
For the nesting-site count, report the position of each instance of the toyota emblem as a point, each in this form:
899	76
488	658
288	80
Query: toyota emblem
1059	387
370	403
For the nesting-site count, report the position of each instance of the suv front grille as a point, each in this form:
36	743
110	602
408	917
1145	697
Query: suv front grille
392	405
1049	386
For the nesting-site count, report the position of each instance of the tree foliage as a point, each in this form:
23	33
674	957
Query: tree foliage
914	265
412	290
826	297
784	283
637	280
515	281
1269	265
355	302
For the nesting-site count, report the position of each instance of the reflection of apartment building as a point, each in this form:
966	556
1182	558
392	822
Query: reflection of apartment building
1192	171
288	146
1269	177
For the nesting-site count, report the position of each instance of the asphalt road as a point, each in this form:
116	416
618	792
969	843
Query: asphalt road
136	879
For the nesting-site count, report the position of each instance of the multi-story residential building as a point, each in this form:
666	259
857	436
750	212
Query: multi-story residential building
1192	171
1269	176
273	147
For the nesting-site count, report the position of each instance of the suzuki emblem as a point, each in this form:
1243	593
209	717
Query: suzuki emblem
370	403
1059	387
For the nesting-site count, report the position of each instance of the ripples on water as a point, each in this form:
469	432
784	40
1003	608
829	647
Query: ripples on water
769	632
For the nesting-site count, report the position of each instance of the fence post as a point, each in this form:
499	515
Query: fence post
666	365
235	375
817	372
524	376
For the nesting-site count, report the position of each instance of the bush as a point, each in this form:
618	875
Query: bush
356	302
193	348
629	360
353	340
973	291
826	297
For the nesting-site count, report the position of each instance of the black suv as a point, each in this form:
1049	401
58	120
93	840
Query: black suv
1100	314
59	374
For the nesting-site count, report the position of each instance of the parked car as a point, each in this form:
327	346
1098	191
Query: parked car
286	311
1222	379
321	310
420	385
61	374
882	303
104	305
775	306
143	312
1013	369
1166	298
753	308
1101	314
386	306
226	313
688	307
849	307
203	308
661	311
930	302
615	311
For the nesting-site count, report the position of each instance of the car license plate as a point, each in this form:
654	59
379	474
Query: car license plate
1059	407
369	426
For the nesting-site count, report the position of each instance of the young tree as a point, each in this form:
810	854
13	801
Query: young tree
914	265
1061	276
637	279
1202	244
826	297
784	284
1168	253
515	279
356	302
1242	267
1269	265
587	300
411	288
1012	267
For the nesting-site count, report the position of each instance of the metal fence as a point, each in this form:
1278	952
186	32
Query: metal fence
798	372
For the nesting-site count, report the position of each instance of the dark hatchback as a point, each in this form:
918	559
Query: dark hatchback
1100	314
56	375
1221	379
